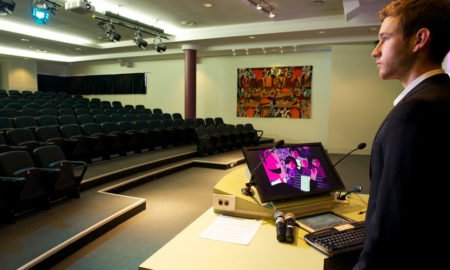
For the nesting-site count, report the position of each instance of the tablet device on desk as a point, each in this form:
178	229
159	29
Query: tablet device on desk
322	221
292	172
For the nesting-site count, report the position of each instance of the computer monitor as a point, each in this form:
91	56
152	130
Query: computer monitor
292	172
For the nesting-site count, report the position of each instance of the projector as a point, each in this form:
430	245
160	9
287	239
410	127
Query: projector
79	6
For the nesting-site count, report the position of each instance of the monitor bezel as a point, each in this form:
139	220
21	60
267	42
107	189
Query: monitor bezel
268	193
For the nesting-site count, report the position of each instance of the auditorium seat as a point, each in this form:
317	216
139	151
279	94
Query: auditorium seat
140	139
66	183
51	134
29	112
23	137
124	138
109	143
226	137
157	111
5	124
218	141
67	120
66	111
9	112
48	111
87	148
218	121
209	121
200	122
254	134
47	120
101	118
204	142
22	186
243	133
177	116
25	122
85	119
234	135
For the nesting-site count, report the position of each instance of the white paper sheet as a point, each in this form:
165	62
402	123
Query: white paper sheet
231	229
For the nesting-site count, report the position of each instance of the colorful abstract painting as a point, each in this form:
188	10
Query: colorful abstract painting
283	92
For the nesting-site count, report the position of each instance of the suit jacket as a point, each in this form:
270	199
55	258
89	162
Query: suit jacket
410	176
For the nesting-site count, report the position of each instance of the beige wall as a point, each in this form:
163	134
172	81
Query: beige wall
359	99
19	75
349	100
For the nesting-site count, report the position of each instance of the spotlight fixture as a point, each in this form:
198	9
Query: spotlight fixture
263	6
259	6
6	7
41	9
159	45
110	31
139	40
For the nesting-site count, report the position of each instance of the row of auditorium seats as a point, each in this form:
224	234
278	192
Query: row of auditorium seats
222	137
35	180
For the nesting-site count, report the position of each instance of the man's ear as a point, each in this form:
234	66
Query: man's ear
421	39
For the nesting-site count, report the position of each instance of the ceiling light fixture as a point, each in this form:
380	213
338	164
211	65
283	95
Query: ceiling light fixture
110	31
6	7
159	45
41	9
208	4
259	6
139	40
263	6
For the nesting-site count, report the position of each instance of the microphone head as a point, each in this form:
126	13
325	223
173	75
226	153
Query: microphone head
361	146
289	216
357	189
279	144
278	214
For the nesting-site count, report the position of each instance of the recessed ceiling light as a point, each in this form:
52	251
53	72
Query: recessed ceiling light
322	32
319	2
251	37
77	49
25	39
188	23
208	5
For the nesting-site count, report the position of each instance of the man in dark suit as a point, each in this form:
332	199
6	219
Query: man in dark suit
410	159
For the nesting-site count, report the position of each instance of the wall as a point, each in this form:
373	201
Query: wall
217	87
348	104
359	99
19	75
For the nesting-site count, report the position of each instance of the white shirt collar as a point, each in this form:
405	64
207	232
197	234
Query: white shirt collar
414	83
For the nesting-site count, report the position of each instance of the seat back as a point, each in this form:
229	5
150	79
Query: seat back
67	120
18	136
25	122
85	118
13	161
47	120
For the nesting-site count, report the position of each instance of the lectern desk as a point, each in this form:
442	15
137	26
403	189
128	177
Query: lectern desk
187	251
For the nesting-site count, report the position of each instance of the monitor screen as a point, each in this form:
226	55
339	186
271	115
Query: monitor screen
292	171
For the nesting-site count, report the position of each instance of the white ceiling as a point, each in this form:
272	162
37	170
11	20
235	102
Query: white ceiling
229	25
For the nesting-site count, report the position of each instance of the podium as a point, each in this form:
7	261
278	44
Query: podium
228	200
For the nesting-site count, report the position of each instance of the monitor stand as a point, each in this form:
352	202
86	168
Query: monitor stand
228	200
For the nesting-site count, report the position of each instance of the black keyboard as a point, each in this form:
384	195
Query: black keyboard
339	239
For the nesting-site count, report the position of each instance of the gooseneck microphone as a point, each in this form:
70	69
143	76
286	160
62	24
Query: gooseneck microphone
290	221
359	147
354	190
280	226
248	186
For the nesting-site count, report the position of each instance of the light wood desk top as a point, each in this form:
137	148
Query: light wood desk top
188	251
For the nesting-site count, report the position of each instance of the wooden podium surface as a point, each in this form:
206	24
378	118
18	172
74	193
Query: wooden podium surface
188	250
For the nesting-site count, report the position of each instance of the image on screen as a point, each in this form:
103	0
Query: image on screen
292	171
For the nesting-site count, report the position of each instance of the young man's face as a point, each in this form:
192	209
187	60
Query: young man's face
393	53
